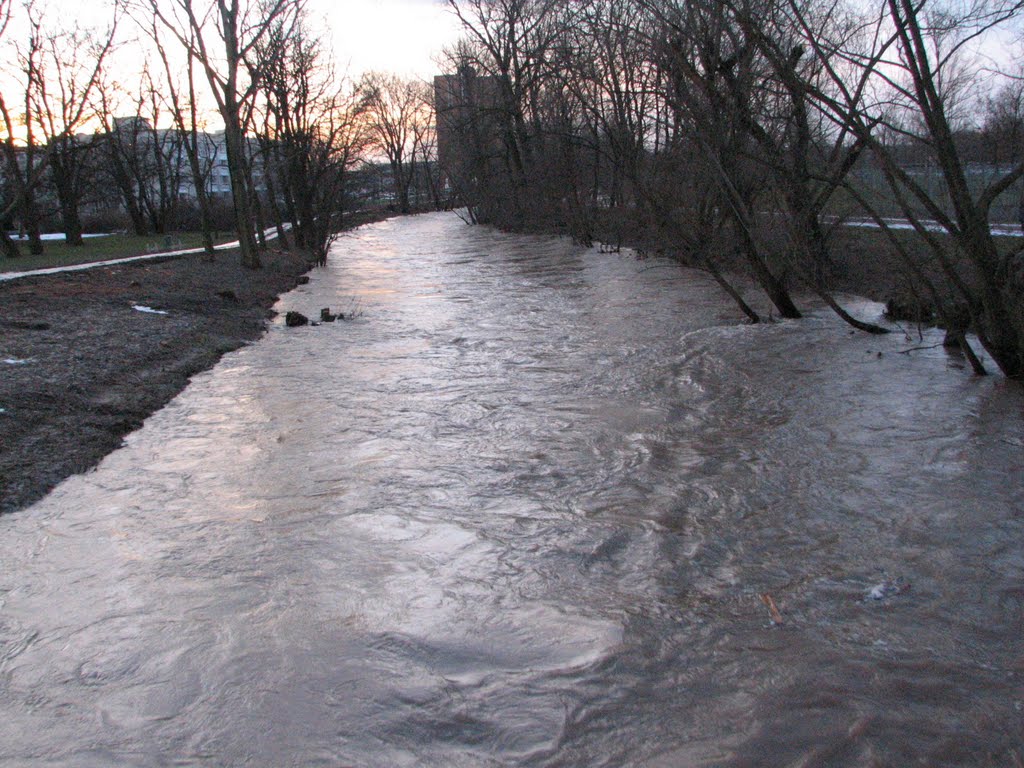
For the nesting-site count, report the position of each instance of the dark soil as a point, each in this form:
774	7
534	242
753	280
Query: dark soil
95	367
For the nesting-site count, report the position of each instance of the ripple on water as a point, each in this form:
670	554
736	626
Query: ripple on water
525	509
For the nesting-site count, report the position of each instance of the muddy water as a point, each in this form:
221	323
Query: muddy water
521	511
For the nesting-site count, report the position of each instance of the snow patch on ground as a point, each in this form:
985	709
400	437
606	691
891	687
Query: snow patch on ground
52	236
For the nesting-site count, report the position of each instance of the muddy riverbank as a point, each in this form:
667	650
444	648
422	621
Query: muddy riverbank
83	360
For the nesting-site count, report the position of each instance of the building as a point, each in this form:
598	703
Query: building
468	136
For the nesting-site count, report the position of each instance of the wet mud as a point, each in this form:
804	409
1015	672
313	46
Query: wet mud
82	362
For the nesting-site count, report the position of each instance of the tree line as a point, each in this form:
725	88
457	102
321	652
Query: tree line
743	133
168	92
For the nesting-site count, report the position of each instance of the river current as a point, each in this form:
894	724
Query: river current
533	504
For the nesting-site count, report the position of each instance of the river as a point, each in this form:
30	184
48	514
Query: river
528	506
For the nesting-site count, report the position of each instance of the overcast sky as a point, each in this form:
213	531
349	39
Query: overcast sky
401	36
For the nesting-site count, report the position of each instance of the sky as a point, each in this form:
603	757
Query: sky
401	36
405	37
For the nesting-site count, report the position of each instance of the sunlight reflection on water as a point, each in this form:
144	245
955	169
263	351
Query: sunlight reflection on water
521	510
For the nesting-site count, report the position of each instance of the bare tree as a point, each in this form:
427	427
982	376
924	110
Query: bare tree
25	163
312	134
120	146
221	35
428	179
142	159
715	82
1002	131
609	71
67	71
920	66
183	103
807	161
398	111
11	197
510	44
57	69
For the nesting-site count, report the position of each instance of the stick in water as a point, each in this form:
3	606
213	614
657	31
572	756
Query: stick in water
772	609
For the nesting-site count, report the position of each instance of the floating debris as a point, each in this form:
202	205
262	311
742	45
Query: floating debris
772	608
886	589
149	310
17	361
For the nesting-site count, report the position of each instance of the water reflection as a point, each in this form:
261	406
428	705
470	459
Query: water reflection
521	511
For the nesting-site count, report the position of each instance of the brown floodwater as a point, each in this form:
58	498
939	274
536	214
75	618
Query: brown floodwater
530	507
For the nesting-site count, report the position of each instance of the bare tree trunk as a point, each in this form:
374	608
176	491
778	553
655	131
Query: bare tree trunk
275	208
772	285
241	25
30	221
234	141
9	247
67	198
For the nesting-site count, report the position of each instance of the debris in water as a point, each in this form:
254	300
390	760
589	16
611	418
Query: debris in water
148	310
295	319
886	589
772	608
17	361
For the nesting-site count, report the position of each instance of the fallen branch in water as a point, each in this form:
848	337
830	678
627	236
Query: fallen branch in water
915	349
772	609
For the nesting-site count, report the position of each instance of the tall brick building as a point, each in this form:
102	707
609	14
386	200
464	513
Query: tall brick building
468	109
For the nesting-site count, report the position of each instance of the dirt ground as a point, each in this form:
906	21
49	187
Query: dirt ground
80	367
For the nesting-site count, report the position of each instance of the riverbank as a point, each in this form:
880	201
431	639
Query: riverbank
86	356
861	259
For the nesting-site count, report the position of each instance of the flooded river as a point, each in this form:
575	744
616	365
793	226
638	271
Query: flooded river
529	507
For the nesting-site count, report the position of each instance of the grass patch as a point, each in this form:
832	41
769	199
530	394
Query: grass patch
57	253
